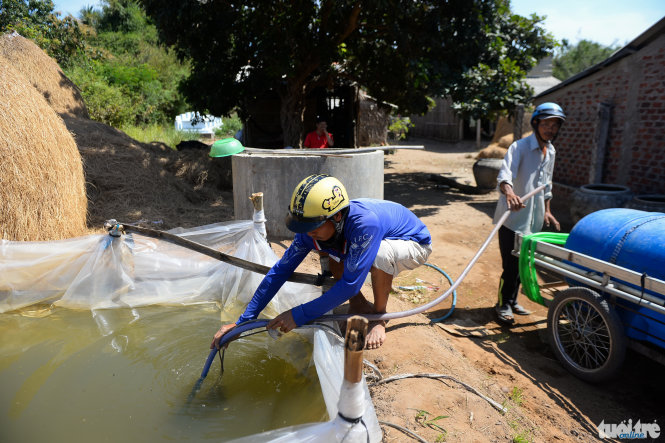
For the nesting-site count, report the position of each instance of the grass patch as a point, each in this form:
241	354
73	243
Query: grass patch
230	126
500	338
159	133
167	134
423	418
521	435
516	396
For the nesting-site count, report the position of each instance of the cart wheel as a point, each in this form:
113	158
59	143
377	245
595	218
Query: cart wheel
586	334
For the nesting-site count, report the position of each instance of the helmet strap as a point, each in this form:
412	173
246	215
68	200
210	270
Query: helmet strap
535	125
336	242
339	225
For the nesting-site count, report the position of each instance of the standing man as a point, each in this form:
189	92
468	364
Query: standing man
320	138
359	237
528	164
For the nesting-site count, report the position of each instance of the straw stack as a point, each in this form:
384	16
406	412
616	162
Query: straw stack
127	180
503	138
42	72
42	187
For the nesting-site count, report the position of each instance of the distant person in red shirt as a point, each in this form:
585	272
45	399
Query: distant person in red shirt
320	138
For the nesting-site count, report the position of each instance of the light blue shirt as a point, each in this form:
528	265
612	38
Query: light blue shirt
525	168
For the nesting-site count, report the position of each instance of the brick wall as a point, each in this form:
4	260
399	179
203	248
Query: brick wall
635	150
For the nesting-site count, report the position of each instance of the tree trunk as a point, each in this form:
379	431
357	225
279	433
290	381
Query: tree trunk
291	115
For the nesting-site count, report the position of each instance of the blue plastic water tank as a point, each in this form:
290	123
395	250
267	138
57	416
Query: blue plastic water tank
634	240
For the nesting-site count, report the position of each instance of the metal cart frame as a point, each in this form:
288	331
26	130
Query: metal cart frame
584	328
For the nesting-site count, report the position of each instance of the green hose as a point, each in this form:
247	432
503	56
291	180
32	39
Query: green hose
526	263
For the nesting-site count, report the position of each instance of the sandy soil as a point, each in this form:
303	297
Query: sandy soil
512	366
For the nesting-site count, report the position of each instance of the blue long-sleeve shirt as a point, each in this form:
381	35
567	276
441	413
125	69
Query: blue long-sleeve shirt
367	223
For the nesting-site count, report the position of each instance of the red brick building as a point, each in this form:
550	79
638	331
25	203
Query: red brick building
615	126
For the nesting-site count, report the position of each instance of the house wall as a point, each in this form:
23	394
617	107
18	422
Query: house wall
373	121
635	151
441	123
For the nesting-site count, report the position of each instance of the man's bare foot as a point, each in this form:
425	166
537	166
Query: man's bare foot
376	335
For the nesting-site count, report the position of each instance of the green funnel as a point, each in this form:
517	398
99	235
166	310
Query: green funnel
225	147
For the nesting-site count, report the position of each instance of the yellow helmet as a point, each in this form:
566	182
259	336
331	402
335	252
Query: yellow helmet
314	200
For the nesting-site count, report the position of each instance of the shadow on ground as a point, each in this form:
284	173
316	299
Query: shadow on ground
414	189
525	349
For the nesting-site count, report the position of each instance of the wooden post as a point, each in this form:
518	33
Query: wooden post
478	122
600	139
517	124
354	343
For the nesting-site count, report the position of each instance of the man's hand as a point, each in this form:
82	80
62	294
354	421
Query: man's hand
514	201
284	322
218	336
328	138
550	220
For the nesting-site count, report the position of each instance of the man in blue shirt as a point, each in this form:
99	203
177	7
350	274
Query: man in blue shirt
359	237
528	164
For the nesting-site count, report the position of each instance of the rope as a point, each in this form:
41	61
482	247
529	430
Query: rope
353	421
313	280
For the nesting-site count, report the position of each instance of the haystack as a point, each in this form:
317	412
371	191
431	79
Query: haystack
42	189
503	138
133	182
149	183
493	150
42	72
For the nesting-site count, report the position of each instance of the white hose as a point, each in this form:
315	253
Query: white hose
436	301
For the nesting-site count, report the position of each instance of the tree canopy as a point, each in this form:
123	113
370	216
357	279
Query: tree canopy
62	38
112	54
573	59
399	51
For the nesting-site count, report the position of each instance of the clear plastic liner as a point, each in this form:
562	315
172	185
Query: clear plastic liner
99	272
329	361
102	273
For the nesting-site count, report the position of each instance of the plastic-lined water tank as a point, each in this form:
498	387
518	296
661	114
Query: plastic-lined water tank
277	174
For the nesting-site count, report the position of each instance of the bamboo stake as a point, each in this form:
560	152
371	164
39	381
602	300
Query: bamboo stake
356	330
257	201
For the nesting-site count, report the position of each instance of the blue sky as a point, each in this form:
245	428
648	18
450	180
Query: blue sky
73	6
608	22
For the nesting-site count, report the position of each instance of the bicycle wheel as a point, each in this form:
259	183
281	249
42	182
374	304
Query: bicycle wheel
586	334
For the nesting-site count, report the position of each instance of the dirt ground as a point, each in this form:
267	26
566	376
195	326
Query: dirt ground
513	366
